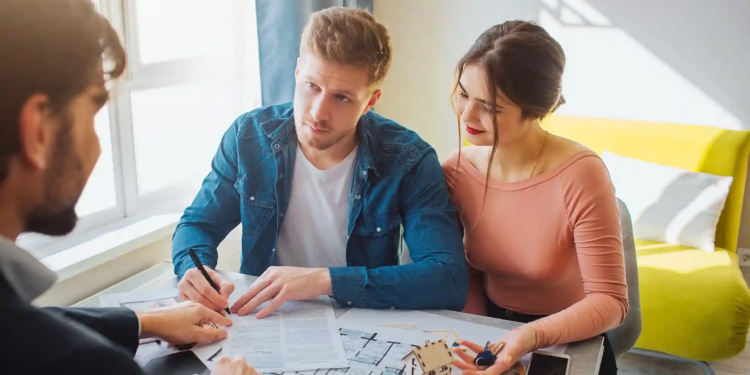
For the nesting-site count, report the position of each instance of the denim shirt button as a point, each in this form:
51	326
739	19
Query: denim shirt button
276	146
252	198
364	173
281	175
377	229
357	197
349	303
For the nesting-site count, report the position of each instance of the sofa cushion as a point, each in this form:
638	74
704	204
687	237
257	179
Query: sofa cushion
713	300
675	205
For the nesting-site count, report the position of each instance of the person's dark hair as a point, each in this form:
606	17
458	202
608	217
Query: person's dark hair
52	47
524	62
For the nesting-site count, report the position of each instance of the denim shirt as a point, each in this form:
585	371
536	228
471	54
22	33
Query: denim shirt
397	184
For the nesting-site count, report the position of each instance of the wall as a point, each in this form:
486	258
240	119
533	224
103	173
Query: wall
681	61
82	286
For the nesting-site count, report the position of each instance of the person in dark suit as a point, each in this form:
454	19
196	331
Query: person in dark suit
57	56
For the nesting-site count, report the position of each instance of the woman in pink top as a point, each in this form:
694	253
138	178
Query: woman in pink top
542	230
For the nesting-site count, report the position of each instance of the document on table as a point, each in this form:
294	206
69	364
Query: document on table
142	301
300	335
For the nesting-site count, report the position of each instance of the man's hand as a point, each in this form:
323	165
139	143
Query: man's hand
234	366
283	284
181	323
518	342
194	287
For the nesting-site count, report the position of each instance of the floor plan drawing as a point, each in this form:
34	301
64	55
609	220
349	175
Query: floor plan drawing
373	353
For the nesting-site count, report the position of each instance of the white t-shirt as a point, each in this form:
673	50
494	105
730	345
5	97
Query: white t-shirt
314	230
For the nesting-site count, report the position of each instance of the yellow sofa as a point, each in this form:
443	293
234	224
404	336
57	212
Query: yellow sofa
695	304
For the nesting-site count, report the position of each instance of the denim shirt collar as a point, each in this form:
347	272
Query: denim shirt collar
284	132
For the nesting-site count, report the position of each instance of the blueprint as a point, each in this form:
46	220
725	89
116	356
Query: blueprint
446	328
374	350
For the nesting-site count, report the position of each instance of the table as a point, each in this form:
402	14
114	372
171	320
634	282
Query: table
584	355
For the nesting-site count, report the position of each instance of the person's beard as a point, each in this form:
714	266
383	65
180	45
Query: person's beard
56	215
315	142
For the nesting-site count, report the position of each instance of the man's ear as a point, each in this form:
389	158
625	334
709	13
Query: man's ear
373	100
35	134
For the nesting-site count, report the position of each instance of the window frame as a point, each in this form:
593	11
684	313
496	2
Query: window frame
129	203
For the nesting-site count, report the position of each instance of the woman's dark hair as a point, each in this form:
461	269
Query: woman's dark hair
524	62
52	47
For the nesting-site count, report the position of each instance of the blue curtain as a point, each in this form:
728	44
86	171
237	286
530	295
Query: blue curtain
280	24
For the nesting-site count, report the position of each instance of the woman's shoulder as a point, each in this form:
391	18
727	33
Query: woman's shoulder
564	150
576	164
585	173
468	154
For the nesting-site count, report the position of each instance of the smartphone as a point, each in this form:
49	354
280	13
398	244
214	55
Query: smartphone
548	364
180	363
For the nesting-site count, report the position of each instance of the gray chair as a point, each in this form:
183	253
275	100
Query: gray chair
623	337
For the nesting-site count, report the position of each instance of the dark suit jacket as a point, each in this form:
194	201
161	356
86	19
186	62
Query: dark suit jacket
65	340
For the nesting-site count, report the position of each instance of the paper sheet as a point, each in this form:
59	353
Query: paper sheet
372	350
300	335
435	324
143	301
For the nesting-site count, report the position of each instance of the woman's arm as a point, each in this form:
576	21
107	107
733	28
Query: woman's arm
476	302
594	217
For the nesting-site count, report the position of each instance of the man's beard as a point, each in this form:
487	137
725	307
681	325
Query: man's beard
317	143
322	145
58	223
56	215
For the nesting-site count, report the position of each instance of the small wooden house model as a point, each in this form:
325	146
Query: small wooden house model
434	358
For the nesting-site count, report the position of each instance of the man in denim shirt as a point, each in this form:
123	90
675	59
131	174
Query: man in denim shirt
322	188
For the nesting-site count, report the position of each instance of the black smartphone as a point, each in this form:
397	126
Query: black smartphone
548	364
180	363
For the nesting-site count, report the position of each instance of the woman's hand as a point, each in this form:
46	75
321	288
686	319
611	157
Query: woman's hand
518	343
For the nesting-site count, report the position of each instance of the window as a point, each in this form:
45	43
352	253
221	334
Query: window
193	68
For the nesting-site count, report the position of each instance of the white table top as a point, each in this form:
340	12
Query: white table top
584	355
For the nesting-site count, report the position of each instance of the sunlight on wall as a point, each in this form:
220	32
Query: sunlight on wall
610	74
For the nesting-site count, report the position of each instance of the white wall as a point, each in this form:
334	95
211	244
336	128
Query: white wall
428	38
681	61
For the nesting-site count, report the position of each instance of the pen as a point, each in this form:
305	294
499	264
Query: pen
198	264
146	341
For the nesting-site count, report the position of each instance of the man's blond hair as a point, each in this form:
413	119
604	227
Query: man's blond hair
350	37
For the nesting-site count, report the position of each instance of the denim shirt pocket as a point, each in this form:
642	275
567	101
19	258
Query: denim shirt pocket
258	204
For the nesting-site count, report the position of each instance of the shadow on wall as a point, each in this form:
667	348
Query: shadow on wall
678	61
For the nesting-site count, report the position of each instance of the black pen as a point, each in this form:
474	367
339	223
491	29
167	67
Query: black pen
198	264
